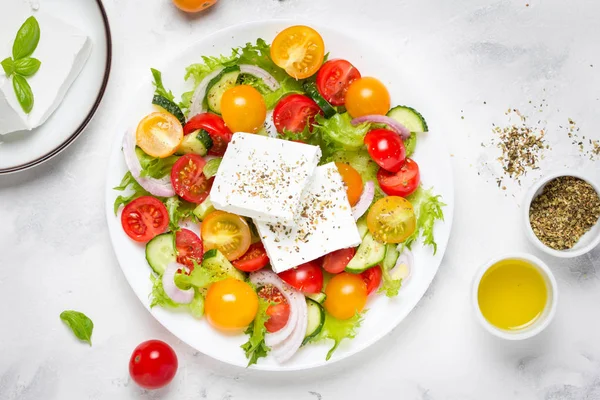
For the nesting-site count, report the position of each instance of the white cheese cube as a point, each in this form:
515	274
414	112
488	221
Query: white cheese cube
263	178
325	224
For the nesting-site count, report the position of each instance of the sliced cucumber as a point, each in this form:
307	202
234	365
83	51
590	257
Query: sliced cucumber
318	297
316	320
203	209
160	251
409	117
214	259
211	167
197	142
313	92
169	106
391	256
363	229
369	253
219	85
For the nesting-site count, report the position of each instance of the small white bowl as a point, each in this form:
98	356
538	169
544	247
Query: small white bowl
586	243
543	320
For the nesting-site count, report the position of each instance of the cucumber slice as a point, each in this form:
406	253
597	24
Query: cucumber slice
318	297
391	256
169	106
214	259
363	229
203	209
160	251
211	167
219	85
313	92
197	142
316	320
409	117
369	253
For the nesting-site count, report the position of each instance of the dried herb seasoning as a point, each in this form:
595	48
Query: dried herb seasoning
566	209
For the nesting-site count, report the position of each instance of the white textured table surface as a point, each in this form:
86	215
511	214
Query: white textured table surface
476	58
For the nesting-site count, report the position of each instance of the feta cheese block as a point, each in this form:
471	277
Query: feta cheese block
325	224
63	51
263	178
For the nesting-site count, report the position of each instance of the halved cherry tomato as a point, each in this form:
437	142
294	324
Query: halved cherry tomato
334	78
294	112
189	248
386	148
401	183
299	50
230	304
229	233
346	295
367	96
193	5
336	262
216	129
252	260
243	109
153	364
372	278
352	181
188	180
144	218
159	134
307	278
278	313
391	219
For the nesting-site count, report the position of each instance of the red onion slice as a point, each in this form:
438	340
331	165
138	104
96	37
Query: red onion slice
365	200
158	187
382	119
286	349
197	106
404	265
168	280
258	72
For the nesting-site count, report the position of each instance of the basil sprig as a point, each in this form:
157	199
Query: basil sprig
80	324
21	65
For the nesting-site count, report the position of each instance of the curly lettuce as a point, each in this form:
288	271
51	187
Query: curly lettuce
159	298
154	167
428	210
255	347
179	210
338	330
338	134
159	87
128	181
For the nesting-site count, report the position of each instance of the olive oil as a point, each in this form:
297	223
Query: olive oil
512	294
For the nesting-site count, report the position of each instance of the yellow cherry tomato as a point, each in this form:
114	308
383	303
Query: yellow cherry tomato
159	134
230	305
243	109
228	233
193	5
299	50
346	295
367	96
352	181
391	219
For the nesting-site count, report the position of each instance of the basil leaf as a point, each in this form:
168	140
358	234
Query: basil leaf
27	39
80	324
27	66
9	66
23	92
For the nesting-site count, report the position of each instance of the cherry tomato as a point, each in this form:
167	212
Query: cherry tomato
346	295
307	278
386	149
159	134
334	78
401	183
336	262
278	313
230	304
367	96
193	5
189	248
153	364
243	109
229	233
144	218
294	112
299	50
372	278
252	260
216	129
391	219
352	181
188	180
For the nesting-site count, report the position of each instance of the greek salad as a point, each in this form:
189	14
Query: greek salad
278	195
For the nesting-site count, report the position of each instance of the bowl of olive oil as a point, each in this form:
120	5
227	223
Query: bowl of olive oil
515	296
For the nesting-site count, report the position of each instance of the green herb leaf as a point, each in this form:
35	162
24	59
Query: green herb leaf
200	70
338	133
155	167
23	93
27	66
255	347
338	330
410	144
202	276
80	324
27	39
428	210
158	84
389	286
179	210
128	181
211	167
9	66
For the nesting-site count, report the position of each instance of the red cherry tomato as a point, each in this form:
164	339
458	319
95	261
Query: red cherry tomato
334	78
401	183
386	149
216	128
189	248
293	112
278	313
372	278
336	262
144	218
188	180
307	278
153	364
253	259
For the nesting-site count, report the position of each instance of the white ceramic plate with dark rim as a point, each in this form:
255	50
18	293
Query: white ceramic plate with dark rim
384	314
25	149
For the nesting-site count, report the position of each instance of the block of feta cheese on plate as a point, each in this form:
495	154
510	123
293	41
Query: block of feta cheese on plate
324	224
63	51
263	178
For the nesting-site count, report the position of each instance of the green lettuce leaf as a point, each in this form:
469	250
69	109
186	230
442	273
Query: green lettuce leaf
287	86
137	191
201	277
338	134
428	210
259	54
410	144
209	64
158	297
338	330
255	347
255	82
159	87
362	162
155	167
179	210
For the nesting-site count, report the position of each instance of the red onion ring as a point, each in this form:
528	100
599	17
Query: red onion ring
382	119
197	106
258	72
365	200
406	258
176	294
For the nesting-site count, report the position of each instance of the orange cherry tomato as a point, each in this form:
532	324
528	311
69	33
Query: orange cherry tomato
193	5
159	134
230	305
391	219
346	295
352	181
367	96
243	109
299	50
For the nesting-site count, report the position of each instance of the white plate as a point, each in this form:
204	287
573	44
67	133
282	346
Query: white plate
25	149
384	314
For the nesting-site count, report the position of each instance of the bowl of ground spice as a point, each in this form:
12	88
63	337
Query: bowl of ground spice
562	213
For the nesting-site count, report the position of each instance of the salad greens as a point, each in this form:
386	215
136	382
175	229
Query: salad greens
255	347
179	210
128	181
338	330
155	167
338	134
159	87
428	209
80	324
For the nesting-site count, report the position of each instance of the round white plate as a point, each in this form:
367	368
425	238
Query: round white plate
384	314
25	149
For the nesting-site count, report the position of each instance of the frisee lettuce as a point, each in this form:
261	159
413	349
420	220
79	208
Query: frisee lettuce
154	167
338	134
389	286
179	210
428	210
159	87
255	347
158	297
128	181
338	330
